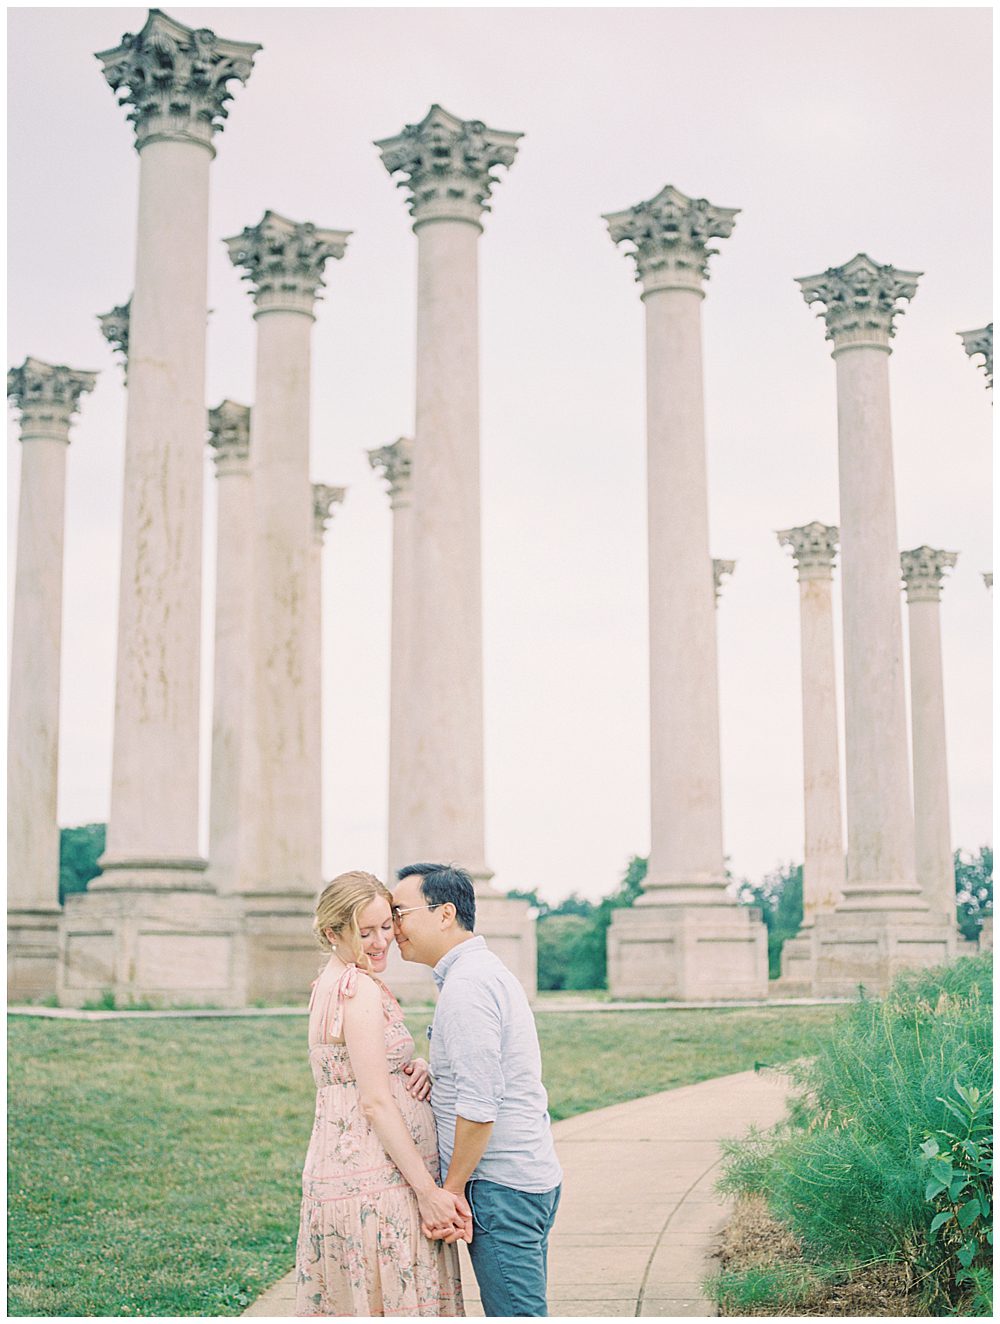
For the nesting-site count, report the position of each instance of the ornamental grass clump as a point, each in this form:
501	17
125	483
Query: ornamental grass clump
886	1154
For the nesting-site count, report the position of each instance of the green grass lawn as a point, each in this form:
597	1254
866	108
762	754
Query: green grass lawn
154	1166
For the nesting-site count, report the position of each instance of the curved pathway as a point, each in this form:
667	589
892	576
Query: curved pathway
639	1219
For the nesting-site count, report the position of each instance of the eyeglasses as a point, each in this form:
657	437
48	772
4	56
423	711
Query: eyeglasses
398	912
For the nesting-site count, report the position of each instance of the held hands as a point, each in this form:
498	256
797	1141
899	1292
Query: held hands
419	1082
444	1216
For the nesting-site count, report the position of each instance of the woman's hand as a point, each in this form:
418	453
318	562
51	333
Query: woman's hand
443	1215
419	1082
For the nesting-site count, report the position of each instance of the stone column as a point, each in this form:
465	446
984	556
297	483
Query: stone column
698	942
721	571
923	573
448	165
980	342
151	936
47	397
814	547
283	260
408	980
325	498
229	437
175	79
882	921
396	463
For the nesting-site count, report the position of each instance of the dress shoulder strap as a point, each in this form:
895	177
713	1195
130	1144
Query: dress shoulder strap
333	1011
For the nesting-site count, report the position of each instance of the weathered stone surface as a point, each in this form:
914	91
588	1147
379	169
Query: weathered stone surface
814	547
47	396
923	574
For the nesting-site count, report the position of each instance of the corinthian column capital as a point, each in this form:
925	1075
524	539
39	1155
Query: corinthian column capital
721	571
114	329
324	500
448	165
283	260
923	572
861	301
814	547
47	395
980	342
175	79
229	437
670	237
396	463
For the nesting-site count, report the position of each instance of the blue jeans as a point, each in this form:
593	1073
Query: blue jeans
509	1250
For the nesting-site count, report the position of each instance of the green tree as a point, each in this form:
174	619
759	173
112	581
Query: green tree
573	936
974	889
79	850
779	897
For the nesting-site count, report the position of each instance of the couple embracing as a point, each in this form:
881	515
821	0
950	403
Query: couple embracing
378	1232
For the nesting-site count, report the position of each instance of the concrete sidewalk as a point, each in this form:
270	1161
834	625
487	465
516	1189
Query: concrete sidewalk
639	1219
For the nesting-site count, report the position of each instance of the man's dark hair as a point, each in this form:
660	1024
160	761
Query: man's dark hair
445	882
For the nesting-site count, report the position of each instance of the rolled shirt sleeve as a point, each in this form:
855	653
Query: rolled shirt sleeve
474	1032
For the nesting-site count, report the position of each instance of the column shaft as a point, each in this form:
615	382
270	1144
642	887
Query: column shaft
33	734
284	856
446	807
403	803
233	603
881	866
686	844
935	863
823	869
154	794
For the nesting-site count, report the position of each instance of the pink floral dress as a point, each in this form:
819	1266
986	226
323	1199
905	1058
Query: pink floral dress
360	1249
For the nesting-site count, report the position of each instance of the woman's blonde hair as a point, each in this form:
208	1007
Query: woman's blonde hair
339	905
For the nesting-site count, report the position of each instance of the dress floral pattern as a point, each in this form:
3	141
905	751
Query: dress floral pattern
360	1250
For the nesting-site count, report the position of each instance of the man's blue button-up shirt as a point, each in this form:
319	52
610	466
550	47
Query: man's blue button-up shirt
487	1067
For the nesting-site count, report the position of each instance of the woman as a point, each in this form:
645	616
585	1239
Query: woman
370	1178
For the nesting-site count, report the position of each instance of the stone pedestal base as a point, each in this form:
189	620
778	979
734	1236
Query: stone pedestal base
690	953
410	981
32	954
854	948
510	934
279	954
798	967
169	948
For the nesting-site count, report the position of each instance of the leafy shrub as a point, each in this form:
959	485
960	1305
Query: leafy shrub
849	1171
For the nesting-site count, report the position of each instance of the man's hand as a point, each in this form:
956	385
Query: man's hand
444	1216
419	1083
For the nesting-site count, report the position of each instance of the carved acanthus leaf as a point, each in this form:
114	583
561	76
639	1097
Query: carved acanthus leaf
923	571
670	237
175	78
861	300
814	547
448	164
981	342
47	395
396	462
283	260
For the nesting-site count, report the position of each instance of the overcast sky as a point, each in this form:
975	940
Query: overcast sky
833	130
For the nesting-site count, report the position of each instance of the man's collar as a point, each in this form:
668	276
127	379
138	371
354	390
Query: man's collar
440	971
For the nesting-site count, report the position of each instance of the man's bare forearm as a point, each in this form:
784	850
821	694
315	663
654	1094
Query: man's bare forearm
471	1139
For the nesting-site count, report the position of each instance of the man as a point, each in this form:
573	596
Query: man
494	1132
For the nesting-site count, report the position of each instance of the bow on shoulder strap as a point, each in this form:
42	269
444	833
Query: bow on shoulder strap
333	1018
